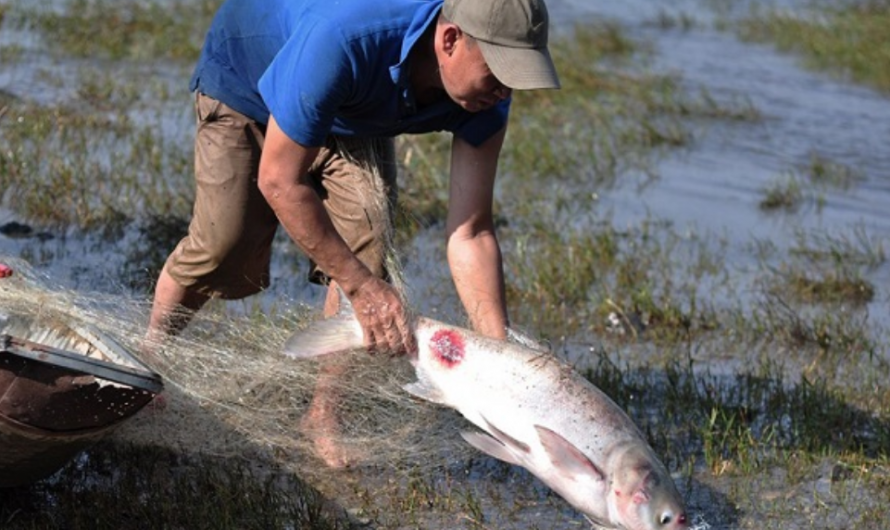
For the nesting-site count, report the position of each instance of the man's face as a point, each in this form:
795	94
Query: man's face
467	78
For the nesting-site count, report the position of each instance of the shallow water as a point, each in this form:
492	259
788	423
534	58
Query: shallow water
713	187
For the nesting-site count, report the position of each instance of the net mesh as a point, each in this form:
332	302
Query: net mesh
230	392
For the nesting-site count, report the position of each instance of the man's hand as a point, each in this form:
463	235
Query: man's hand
379	310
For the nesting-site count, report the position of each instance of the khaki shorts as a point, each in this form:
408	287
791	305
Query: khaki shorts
227	250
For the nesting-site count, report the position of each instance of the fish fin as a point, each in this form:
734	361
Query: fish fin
568	458
490	446
344	305
524	340
499	445
505	438
336	334
425	391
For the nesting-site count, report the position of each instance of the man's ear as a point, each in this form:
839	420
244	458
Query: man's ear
450	35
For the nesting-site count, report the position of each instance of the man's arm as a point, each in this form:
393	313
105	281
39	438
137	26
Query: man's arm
473	251
284	182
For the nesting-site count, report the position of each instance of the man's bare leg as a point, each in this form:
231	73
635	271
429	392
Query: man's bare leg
321	423
174	306
172	310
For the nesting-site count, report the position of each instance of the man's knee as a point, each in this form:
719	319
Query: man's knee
232	272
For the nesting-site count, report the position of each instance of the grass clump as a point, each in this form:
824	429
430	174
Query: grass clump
828	269
128	29
604	280
814	181
816	298
784	193
831	288
826	173
831	337
609	118
849	38
11	52
61	166
853	248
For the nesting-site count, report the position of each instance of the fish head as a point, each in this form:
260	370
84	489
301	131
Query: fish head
645	498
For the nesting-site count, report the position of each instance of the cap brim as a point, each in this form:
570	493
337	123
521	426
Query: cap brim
520	68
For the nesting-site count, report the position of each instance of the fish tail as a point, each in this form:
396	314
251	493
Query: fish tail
336	334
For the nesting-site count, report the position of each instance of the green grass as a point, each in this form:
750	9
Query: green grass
784	193
814	182
829	174
849	39
68	166
127	29
751	423
587	277
825	268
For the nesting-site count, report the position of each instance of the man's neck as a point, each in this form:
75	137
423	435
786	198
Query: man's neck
426	81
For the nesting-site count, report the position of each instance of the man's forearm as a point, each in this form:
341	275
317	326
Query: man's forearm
473	252
476	267
284	183
310	227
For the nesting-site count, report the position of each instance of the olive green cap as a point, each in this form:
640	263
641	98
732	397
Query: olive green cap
513	37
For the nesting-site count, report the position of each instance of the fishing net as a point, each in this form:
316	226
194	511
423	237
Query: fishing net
231	393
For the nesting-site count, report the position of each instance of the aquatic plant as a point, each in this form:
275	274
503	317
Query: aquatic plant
849	38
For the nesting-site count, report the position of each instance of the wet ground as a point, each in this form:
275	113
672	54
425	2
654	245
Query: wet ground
712	187
716	185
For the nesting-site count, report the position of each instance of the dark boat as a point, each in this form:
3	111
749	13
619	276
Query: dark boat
63	387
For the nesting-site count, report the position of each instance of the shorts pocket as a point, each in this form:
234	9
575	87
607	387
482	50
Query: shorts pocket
206	107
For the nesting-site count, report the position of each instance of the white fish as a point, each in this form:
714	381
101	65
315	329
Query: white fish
537	412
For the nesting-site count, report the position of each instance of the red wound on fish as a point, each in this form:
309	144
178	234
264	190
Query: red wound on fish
5	271
447	346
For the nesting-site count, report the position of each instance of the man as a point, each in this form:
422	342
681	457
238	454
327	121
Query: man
297	103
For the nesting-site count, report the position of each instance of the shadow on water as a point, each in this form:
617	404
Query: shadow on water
158	235
136	251
133	481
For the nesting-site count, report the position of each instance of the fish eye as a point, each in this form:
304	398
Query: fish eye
666	518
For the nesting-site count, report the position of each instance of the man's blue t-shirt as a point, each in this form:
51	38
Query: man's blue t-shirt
329	66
